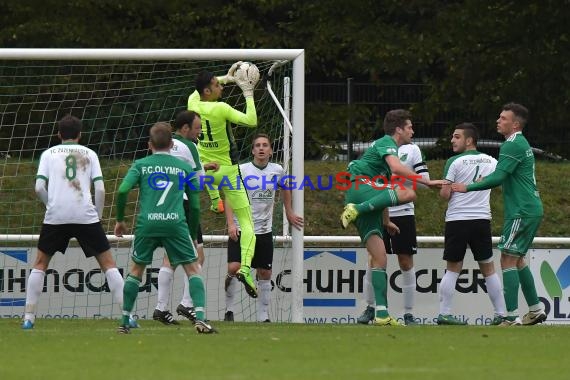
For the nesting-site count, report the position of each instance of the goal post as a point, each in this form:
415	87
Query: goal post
121	92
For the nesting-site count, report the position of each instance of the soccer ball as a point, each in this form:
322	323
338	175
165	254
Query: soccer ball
247	72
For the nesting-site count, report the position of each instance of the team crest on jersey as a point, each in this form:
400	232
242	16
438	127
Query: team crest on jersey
404	157
262	194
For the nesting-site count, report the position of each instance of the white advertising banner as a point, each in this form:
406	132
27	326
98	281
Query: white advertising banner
333	284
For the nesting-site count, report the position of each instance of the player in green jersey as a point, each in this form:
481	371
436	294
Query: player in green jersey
523	213
367	202
216	144
161	221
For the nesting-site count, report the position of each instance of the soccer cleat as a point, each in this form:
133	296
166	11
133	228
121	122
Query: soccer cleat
409	320
204	328
449	320
507	321
388	321
229	316
534	317
187	312
165	317
244	276
133	324
348	216
217	206
497	320
367	316
267	321
123	330
27	324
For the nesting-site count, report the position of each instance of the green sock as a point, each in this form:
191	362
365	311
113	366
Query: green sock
198	294
511	288
130	293
379	202
379	283
527	286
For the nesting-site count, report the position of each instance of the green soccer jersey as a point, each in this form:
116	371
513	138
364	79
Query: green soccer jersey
520	195
160	180
372	163
216	142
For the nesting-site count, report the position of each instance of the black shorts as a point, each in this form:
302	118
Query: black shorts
91	237
406	241
263	254
199	237
476	233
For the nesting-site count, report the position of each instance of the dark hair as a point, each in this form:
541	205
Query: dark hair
469	130
259	135
395	119
69	127
520	112
161	135
203	81
185	117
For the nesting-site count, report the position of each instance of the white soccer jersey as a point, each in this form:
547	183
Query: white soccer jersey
181	151
467	168
260	186
411	156
69	169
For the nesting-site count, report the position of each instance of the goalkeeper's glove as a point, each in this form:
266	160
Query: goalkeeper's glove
247	85
229	77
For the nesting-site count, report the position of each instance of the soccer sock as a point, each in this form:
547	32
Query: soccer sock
35	286
233	288
247	237
368	288
409	289
165	276
495	292
511	290
186	299
379	282
198	294
116	283
130	293
381	201
446	292
528	288
264	289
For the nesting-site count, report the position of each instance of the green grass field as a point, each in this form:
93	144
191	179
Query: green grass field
88	349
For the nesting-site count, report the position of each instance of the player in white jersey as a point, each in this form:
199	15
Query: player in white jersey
68	170
261	179
188	127
403	244
468	222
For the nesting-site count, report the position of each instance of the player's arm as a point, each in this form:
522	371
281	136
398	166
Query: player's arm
420	166
390	226
492	180
41	190
295	220
127	184
400	169
449	176
247	119
99	187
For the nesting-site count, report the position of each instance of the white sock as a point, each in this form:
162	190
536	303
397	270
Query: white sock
186	299
233	288
116	283
33	291
409	289
495	291
264	289
165	276
368	288
446	291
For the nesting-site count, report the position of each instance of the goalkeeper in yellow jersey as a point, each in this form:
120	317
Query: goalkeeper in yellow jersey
216	144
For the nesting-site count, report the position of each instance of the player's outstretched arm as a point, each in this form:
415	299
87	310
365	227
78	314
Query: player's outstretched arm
295	220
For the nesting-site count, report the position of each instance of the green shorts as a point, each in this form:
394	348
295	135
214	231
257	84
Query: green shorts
179	249
369	223
226	180
518	235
